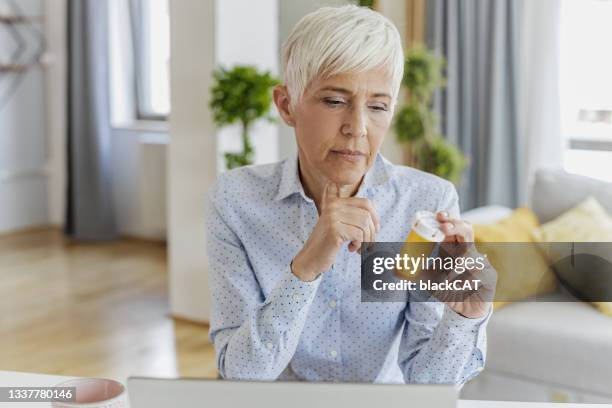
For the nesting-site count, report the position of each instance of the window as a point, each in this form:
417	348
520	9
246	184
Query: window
153	69
139	35
586	86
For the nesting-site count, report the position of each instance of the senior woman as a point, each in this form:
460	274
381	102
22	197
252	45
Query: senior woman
283	238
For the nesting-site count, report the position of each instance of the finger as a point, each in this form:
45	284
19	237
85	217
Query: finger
331	193
448	228
450	223
365	204
333	190
368	229
356	243
324	196
360	218
353	234
461	231
442	216
344	190
369	232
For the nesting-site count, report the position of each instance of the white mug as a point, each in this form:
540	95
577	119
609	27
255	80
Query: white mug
95	393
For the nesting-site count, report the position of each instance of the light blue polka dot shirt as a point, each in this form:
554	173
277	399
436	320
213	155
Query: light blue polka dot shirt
266	324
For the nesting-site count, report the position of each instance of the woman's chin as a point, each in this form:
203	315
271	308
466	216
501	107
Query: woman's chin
345	172
346	177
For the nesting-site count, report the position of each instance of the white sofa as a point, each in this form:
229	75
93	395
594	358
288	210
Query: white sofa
559	351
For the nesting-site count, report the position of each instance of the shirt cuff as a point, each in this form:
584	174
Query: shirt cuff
454	323
455	317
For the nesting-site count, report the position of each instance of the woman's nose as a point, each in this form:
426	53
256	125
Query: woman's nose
356	123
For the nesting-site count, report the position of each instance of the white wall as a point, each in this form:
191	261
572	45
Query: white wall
23	148
139	182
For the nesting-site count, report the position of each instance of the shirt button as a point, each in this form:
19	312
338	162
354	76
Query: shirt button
333	353
332	303
269	345
297	297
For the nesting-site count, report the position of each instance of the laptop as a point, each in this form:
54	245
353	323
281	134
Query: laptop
191	393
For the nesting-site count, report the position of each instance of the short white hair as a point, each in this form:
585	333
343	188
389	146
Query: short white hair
336	40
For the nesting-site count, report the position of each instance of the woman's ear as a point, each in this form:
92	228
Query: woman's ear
283	104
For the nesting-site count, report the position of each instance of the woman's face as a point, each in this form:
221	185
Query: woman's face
340	123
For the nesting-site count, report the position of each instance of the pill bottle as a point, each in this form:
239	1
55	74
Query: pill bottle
424	234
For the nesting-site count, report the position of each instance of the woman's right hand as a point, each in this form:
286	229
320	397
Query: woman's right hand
341	219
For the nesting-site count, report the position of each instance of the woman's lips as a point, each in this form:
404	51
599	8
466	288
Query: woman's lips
352	156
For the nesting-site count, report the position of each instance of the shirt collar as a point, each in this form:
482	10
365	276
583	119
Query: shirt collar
290	179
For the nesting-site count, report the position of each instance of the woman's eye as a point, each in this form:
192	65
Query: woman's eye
333	102
379	108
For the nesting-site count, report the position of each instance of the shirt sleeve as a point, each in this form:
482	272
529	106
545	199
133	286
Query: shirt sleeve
255	337
438	345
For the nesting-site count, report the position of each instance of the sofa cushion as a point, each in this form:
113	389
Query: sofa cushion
586	222
522	270
589	276
560	341
555	191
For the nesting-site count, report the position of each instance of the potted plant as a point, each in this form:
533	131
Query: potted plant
241	95
415	122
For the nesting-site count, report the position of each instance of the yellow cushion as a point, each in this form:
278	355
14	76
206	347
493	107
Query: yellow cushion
522	271
586	222
515	228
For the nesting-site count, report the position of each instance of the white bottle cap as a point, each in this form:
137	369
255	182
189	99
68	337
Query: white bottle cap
427	226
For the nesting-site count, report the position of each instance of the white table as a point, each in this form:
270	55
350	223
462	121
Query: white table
17	379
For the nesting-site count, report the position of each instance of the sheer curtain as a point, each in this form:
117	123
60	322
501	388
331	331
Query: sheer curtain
539	107
501	104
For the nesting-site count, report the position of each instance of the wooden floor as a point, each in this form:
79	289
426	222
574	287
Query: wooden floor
91	309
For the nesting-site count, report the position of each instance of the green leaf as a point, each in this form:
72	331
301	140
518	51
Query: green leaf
441	158
409	124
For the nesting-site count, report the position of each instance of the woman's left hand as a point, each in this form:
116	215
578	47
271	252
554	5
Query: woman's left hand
477	304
